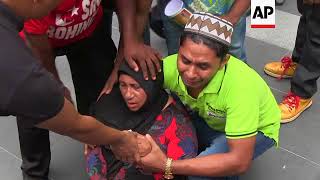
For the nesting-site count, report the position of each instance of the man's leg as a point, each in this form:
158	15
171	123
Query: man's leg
108	9
172	31
91	62
301	34
155	20
304	81
107	21
219	144
205	134
238	48
286	67
35	152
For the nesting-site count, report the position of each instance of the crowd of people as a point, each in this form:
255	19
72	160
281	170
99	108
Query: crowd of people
199	113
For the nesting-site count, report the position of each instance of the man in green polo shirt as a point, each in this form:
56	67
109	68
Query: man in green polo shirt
237	116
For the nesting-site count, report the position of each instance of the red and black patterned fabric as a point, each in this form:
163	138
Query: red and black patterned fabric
172	131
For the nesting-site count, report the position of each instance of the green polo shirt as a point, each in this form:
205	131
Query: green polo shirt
236	101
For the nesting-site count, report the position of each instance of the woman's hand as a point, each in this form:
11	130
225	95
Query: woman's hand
155	161
113	78
143	145
88	148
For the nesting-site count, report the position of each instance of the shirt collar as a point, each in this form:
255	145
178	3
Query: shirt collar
9	19
215	83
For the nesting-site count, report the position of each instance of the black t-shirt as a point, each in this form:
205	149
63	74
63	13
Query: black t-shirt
27	90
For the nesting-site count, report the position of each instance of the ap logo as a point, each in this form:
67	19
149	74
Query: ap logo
263	14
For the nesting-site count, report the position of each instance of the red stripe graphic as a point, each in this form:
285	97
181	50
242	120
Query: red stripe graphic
263	25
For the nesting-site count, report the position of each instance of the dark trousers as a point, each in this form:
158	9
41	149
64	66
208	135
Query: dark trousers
91	62
307	51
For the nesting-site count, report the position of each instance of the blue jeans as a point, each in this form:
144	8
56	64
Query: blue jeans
216	142
173	31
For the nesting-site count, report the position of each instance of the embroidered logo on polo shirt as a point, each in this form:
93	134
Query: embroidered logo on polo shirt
216	113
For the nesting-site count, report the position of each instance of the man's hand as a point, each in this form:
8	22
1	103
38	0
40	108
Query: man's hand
238	9
143	145
154	161
135	52
126	149
143	56
232	20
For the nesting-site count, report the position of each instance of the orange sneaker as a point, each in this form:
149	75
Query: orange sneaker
283	69
292	106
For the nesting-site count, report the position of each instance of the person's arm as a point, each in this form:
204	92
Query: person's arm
39	101
42	50
88	130
131	47
142	18
234	162
83	128
135	52
238	9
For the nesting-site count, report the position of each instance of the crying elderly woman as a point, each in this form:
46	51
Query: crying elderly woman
146	108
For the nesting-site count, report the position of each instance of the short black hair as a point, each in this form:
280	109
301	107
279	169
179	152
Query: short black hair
220	49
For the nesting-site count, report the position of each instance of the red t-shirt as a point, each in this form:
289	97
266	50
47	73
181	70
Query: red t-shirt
71	21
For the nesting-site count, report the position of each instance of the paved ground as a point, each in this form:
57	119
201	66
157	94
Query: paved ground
297	157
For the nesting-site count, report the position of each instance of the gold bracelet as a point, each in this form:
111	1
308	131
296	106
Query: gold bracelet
168	170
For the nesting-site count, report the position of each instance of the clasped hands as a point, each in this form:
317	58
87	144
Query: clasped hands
142	151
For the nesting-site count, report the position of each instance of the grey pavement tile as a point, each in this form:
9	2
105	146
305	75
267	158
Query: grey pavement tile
65	74
278	95
299	137
302	135
9	167
278	164
9	135
115	36
283	35
259	53
9	139
68	161
158	43
289	6
55	139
